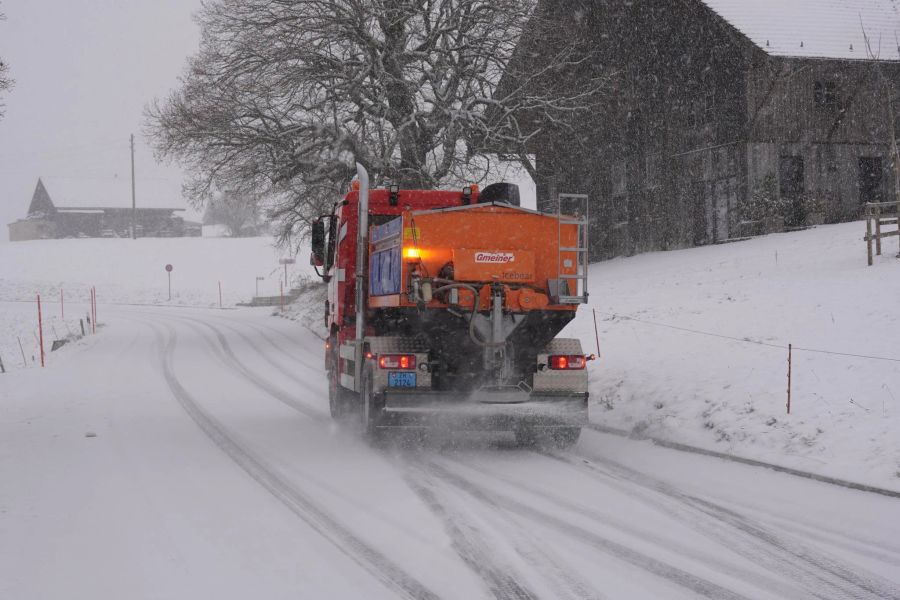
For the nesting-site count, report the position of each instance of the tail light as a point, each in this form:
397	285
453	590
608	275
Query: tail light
567	362
404	362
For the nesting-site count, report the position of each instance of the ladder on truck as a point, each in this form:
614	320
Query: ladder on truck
572	209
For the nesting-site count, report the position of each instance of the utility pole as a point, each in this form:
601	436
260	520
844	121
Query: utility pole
133	203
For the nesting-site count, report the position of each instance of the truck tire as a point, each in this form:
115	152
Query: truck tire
565	437
371	413
560	438
340	400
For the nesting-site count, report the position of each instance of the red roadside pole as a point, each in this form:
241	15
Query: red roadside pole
790	352
41	329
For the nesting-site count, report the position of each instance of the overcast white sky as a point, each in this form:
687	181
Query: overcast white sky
84	71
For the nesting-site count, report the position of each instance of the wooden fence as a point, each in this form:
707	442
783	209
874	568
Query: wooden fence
878	215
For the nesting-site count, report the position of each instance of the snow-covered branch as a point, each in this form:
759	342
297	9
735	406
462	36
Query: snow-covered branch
290	93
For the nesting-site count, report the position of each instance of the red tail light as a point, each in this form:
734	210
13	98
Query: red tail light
404	362
564	362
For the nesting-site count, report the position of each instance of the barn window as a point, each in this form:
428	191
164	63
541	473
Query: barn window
871	175
652	170
825	93
619	179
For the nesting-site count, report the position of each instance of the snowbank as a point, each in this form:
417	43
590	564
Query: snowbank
811	289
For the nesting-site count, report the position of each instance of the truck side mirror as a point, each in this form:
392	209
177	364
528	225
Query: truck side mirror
318	243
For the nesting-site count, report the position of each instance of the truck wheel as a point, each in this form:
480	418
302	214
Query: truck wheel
339	400
560	438
565	437
526	436
370	412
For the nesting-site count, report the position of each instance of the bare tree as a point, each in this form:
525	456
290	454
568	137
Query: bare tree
889	98
5	81
238	211
289	93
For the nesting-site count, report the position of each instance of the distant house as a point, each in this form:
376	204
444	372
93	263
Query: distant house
96	208
717	103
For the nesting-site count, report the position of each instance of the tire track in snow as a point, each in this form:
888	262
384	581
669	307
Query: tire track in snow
226	356
278	366
761	581
694	583
491	575
813	568
565	584
888	554
368	557
471	548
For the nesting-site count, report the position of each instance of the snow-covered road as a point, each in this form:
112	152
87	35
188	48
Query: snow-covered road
188	454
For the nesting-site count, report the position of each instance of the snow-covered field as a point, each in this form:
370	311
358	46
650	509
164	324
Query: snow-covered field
124	272
811	289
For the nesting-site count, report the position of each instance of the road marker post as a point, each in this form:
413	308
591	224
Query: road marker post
220	294
790	353
62	305
40	329
22	350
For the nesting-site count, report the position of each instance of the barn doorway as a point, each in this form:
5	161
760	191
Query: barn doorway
871	174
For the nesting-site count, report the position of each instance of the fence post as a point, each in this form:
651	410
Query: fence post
40	329
22	350
869	234
878	229
790	352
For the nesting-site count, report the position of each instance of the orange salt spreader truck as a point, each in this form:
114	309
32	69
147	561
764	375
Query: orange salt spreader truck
443	309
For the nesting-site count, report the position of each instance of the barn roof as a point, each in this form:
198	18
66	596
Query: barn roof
816	28
115	192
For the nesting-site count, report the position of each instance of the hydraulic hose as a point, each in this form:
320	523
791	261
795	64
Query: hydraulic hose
449	285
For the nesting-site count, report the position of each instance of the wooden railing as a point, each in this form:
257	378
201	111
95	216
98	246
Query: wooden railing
879	214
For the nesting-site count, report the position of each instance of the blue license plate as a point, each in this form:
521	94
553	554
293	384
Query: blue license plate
402	380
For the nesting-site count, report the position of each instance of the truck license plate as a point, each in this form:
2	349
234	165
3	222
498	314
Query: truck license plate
402	380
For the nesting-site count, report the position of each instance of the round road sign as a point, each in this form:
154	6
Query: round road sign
169	268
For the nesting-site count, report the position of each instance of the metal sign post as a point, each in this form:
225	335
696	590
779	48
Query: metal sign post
286	262
169	271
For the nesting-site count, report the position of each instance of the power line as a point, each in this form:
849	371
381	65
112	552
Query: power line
747	340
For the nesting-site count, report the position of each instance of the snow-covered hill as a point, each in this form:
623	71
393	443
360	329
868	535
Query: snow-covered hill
811	289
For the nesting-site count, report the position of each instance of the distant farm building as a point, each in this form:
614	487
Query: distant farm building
719	106
98	208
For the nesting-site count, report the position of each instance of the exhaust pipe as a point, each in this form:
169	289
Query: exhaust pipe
362	249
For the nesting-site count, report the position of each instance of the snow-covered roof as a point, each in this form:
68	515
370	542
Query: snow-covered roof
114	192
816	28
